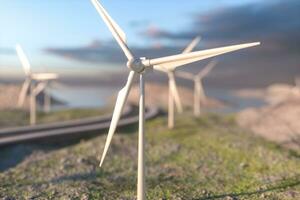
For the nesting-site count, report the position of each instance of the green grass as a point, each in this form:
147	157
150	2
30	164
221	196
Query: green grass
204	158
12	118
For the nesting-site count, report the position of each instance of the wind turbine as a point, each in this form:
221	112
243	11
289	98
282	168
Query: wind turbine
174	99
199	94
297	82
139	66
35	82
296	88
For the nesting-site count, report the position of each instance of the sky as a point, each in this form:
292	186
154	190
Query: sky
70	23
69	37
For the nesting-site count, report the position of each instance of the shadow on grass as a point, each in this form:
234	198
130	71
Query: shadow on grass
129	183
284	184
98	179
76	177
14	154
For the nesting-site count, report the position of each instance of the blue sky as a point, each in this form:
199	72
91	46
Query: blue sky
37	25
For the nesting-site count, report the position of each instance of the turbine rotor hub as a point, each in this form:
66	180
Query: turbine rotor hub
136	65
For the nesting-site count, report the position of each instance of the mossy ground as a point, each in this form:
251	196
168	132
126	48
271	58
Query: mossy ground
205	158
12	118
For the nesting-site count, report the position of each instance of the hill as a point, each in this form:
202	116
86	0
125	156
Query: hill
202	158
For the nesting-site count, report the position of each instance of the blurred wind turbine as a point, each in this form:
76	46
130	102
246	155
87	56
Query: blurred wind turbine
297	82
296	88
139	66
35	83
174	98
199	94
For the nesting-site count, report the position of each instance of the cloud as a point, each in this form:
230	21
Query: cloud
98	51
275	23
139	23
154	31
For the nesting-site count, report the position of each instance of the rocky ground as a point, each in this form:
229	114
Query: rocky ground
9	97
9	94
273	94
279	120
202	158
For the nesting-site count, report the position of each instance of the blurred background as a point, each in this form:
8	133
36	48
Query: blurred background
69	38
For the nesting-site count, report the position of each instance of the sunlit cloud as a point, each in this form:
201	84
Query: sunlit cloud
108	51
274	23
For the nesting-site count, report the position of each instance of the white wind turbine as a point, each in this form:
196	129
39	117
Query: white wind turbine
199	94
35	83
297	82
138	66
296	88
174	99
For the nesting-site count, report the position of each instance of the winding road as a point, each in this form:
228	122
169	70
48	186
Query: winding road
70	129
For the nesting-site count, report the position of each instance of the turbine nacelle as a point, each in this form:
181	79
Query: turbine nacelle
139	65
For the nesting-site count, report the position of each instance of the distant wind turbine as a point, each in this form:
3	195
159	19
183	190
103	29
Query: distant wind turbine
199	94
296	88
297	82
139	66
35	83
174	98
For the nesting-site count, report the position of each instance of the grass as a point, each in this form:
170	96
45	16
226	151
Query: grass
12	118
205	158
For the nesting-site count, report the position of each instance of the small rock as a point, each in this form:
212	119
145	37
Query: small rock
53	193
263	187
63	160
80	160
244	165
231	198
292	194
84	197
204	191
263	195
8	198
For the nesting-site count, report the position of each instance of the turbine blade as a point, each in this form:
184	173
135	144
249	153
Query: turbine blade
23	92
160	68
39	88
175	94
207	69
114	28
44	76
185	75
24	61
192	45
172	62
120	103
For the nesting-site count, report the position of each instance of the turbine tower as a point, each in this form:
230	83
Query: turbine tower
199	94
296	88
174	99
139	66
35	83
297	82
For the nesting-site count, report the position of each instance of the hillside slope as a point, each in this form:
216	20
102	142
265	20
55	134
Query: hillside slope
205	158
